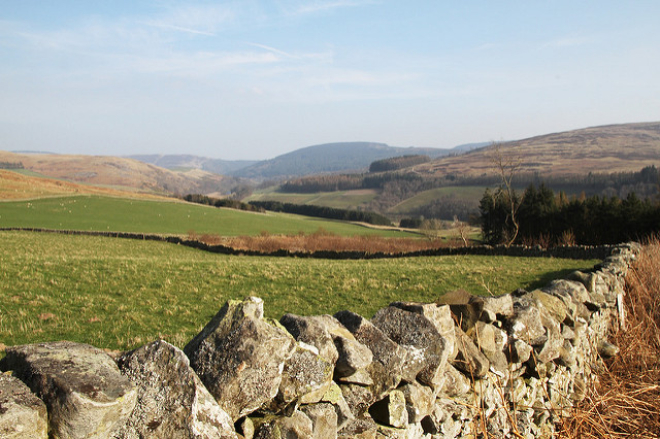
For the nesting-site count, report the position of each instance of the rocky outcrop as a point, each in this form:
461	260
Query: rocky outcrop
507	366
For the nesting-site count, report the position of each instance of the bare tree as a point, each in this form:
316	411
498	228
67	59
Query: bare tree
507	165
462	228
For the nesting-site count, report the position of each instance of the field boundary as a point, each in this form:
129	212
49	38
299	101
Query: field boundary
564	252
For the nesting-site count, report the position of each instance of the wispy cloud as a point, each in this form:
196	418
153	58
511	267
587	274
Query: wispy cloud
311	7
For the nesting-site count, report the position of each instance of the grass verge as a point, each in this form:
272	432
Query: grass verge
626	401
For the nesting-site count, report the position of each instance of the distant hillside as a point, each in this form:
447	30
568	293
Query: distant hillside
119	173
15	185
603	149
330	158
178	161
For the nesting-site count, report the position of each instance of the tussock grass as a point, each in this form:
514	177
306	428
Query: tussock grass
626	401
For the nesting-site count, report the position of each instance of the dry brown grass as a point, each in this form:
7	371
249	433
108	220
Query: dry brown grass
324	241
626	402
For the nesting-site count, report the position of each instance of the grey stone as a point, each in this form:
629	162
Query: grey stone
552	304
172	402
335	397
519	351
526	325
440	316
315	331
86	395
359	399
306	377
240	357
354	357
491	341
470	360
390	410
427	351
296	426
22	414
389	359
501	306
564	288
455	383
324	420
419	400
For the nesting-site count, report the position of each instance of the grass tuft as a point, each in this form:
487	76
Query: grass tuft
626	401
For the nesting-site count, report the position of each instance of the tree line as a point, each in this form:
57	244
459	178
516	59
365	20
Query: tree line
324	212
221	202
548	218
396	163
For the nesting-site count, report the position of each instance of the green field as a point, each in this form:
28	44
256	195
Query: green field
143	216
473	193
118	293
338	200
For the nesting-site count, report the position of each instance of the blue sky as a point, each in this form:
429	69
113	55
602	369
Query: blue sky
254	79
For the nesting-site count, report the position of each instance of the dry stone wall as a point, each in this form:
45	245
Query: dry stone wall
467	366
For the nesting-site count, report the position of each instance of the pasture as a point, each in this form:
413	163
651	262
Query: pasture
119	294
167	217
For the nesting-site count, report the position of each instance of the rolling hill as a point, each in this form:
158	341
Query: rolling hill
329	158
187	161
119	173
602	149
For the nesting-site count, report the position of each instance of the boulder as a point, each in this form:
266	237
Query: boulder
389	359
172	401
240	357
334	342
22	414
306	377
86	395
440	316
354	358
427	351
316	331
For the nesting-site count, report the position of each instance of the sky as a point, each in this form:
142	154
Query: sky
254	79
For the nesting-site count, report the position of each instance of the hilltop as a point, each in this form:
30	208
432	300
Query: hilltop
329	158
188	161
118	173
602	149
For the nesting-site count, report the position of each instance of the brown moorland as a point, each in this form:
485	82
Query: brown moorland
603	149
15	186
116	172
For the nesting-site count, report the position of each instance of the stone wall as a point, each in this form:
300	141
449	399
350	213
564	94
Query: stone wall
510	366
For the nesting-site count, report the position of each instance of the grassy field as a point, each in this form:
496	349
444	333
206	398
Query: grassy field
339	199
119	294
473	193
145	216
